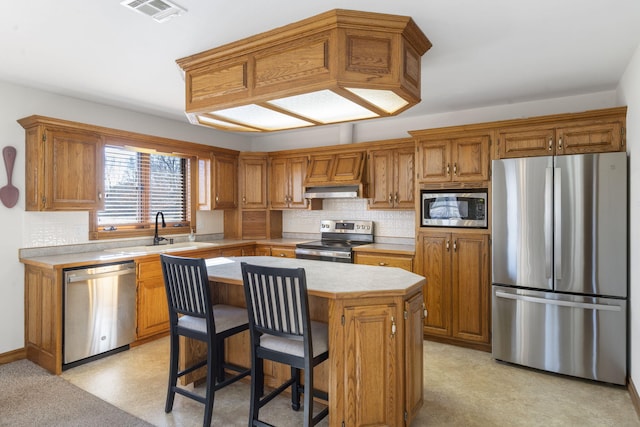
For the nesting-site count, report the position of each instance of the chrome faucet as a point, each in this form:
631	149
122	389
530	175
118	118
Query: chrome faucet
156	238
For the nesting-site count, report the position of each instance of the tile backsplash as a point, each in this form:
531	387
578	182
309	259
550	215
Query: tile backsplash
55	228
389	225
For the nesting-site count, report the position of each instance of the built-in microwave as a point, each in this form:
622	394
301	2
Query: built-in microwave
454	208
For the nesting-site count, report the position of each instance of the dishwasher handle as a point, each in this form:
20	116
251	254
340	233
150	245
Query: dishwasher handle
81	277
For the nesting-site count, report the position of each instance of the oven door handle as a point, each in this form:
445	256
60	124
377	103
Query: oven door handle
316	252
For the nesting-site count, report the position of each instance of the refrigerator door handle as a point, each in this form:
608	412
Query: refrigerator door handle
557	208
584	305
548	221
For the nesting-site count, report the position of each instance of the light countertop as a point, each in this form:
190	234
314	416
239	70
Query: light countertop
332	280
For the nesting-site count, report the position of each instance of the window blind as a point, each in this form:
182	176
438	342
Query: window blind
139	184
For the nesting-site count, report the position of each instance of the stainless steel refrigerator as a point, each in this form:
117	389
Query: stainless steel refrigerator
559	264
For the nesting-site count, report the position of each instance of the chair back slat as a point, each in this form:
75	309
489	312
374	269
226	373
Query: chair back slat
187	285
277	299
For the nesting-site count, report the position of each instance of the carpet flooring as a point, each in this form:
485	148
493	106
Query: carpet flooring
30	396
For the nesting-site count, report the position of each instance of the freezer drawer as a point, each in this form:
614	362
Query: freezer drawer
574	335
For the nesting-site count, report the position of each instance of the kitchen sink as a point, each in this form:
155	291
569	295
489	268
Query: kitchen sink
159	249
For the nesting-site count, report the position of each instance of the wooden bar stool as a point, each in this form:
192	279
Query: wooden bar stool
192	315
281	331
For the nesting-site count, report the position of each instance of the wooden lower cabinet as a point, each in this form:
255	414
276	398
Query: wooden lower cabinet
456	296
283	251
43	317
152	309
385	260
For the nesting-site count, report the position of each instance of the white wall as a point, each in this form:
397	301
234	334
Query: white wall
20	229
629	92
27	229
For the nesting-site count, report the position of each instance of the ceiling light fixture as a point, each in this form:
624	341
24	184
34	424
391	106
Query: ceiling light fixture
338	66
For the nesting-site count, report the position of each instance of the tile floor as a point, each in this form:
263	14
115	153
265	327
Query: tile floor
462	387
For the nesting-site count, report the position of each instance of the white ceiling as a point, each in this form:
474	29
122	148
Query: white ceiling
485	52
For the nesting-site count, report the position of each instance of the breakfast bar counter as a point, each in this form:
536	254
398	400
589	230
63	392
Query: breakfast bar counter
375	315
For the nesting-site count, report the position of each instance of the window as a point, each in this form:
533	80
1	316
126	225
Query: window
138	183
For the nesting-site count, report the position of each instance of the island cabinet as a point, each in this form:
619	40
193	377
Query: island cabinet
456	296
286	182
453	159
590	132
391	177
374	372
65	166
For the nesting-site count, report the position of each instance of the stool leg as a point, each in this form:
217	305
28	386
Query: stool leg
257	388
211	382
173	373
295	389
220	360
308	397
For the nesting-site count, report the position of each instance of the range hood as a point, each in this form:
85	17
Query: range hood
333	192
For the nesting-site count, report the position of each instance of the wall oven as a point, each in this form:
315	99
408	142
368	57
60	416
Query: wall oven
454	208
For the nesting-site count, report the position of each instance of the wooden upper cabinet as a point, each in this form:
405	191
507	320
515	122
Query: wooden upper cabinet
217	182
64	168
225	194
253	182
340	168
286	182
592	132
462	159
391	178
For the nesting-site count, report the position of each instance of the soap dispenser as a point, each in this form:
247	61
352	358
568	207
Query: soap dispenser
192	236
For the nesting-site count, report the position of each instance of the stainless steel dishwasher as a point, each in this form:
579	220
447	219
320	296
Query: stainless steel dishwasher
99	311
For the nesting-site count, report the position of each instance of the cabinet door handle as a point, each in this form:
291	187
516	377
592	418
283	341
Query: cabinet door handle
448	169
382	263
560	143
393	326
447	246
390	199
217	198
424	311
99	195
396	198
244	199
550	144
455	169
282	254
455	245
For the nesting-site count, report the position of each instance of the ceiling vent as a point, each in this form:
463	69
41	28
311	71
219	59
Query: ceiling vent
160	10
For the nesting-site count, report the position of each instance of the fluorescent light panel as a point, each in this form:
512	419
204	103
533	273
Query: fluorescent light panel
384	99
260	117
324	106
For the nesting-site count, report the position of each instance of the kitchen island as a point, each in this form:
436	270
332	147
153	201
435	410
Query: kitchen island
374	372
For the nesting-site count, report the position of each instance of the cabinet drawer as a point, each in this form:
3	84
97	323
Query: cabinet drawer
149	269
400	261
283	252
